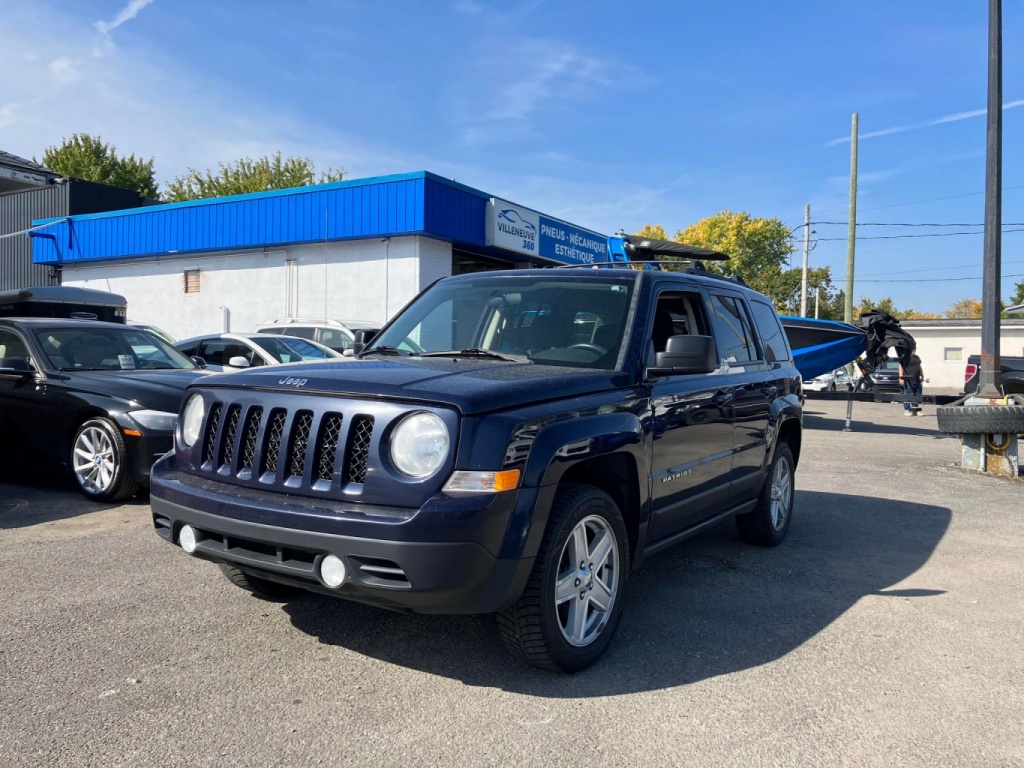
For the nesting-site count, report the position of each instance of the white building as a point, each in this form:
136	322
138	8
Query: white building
945	345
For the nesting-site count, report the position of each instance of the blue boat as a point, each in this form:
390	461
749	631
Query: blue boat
820	346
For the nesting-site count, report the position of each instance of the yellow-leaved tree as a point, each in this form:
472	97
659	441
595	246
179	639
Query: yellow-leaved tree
965	308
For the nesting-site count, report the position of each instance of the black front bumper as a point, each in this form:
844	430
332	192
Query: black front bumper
145	451
390	562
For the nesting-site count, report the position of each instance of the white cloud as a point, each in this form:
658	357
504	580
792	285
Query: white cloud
498	98
64	70
129	12
146	104
952	118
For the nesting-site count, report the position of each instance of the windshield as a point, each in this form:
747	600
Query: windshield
108	349
292	350
558	320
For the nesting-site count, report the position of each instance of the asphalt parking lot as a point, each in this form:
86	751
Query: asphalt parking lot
887	630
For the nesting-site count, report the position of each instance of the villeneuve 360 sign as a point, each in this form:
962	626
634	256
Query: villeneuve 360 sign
527	232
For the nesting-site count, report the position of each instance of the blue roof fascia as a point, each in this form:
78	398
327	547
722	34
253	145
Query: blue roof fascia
367	182
417	203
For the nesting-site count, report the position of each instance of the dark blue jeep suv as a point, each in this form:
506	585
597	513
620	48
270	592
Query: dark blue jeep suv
512	443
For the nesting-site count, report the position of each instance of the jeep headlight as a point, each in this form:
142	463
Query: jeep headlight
419	445
192	420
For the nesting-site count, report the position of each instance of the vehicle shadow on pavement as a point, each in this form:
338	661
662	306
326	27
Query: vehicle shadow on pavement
923	427
30	496
710	607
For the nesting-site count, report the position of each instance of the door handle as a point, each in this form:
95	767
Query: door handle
722	397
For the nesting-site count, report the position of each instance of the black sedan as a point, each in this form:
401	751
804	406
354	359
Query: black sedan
99	398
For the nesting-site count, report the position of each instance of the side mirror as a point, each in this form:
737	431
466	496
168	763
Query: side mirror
684	355
363	338
238	362
15	366
199	362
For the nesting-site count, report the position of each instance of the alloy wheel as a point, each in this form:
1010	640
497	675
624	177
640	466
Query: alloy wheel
781	493
588	581
94	463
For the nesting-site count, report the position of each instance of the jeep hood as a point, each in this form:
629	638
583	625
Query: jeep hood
471	385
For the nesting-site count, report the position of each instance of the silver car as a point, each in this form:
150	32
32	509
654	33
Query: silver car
231	351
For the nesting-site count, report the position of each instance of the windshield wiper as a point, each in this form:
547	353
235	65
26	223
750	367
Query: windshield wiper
385	350
477	352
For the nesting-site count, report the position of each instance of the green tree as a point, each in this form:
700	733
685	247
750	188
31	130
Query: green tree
885	304
758	247
248	175
89	158
1018	296
653	231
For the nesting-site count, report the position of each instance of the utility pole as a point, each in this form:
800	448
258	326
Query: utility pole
989	376
851	235
807	243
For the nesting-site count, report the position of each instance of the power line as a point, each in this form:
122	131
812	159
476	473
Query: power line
903	237
932	279
919	202
935	269
915	224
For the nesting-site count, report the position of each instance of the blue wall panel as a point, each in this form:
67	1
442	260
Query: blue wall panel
392	205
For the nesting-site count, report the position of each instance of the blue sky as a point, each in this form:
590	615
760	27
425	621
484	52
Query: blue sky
609	115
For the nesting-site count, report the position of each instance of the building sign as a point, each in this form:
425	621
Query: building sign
528	233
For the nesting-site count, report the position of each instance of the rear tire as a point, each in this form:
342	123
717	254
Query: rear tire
99	462
572	604
768	523
271	590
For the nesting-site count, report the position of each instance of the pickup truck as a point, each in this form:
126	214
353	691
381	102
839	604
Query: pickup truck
512	443
1012	369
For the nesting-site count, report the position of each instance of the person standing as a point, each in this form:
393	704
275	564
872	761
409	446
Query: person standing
911	376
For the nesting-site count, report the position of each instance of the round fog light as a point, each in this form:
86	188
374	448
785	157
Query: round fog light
332	571
188	539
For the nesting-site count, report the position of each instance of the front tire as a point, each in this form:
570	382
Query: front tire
572	603
100	463
768	523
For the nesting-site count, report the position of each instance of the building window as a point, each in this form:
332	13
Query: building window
192	281
953	354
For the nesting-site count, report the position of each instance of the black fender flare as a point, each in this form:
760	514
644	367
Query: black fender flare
566	443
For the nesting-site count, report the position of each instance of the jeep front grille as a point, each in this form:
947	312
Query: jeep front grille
297	445
227	444
278	442
252	430
210	436
272	446
359	436
327	446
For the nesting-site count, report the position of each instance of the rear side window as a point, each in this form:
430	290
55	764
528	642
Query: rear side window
301	332
773	338
732	331
336	340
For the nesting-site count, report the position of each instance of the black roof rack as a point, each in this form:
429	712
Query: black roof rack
676	266
646	247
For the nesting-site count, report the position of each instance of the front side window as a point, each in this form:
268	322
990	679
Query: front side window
13	352
572	321
732	331
293	350
222	351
